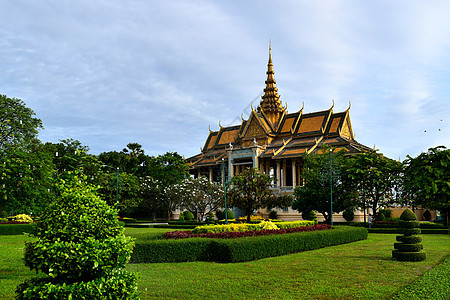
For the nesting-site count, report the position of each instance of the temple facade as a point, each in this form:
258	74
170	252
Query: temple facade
273	140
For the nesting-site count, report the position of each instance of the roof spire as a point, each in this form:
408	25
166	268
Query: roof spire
270	103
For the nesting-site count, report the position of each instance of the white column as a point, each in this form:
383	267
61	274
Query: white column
284	172
278	173
210	174
294	173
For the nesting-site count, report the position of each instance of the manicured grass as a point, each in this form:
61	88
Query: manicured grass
360	270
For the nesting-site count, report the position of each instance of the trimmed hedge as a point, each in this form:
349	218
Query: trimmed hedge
13	229
242	249
394	230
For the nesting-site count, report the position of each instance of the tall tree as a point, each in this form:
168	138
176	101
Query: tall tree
251	190
18	126
325	174
201	196
378	179
427	180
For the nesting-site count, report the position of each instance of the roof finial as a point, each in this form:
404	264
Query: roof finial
209	128
303	105
332	105
220	125
242	118
349	105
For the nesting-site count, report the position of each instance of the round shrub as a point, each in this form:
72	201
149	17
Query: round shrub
23	218
413	239
408	215
230	214
386	214
273	214
309	215
80	245
188	216
348	214
181	217
408	247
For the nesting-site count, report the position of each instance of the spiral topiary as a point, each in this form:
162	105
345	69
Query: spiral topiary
408	247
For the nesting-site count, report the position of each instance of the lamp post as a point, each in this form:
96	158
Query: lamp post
331	187
117	183
225	185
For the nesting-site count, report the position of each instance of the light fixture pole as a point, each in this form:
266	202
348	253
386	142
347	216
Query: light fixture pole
225	185
331	186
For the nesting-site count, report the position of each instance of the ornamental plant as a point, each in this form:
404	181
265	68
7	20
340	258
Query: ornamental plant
408	247
23	218
81	249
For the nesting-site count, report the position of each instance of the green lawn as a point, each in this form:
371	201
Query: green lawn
360	270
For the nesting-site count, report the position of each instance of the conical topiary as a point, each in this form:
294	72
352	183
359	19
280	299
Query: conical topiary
408	247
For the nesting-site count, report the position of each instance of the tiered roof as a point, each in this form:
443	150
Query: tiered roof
279	134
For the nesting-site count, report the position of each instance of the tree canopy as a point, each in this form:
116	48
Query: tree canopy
325	173
427	179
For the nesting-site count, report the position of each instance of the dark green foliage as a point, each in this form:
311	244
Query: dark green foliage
426	180
188	216
409	247
409	256
402	247
309	215
243	249
384	214
13	229
409	231
348	214
433	285
220	214
408	215
273	214
250	191
79	243
114	286
324	173
409	224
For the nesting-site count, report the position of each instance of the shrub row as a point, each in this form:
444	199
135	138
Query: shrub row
18	228
243	249
241	234
434	284
394	230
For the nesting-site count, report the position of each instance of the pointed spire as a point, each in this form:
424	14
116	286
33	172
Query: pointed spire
270	103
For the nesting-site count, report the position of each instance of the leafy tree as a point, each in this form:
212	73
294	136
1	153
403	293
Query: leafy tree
81	248
70	155
26	182
427	179
315	195
169	170
202	196
250	191
378	179
18	126
150	191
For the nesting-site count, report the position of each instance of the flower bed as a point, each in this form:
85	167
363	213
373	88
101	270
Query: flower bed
239	234
251	227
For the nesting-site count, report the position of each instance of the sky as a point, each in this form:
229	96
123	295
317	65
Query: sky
159	73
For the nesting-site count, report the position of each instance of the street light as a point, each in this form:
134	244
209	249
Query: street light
331	186
117	183
225	185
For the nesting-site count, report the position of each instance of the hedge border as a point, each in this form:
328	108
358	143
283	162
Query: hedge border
395	230
242	249
16	229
